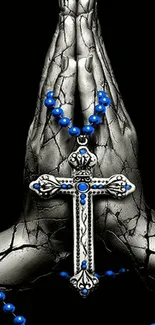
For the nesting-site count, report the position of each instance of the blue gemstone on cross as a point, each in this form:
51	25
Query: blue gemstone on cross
36	186
84	265
83	151
82	187
82	196
127	187
69	186
83	202
100	186
64	186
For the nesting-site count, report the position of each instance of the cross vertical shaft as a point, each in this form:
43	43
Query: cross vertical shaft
83	231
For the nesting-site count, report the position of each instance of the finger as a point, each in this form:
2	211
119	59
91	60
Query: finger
85	6
57	144
48	60
68	7
64	46
85	28
111	84
91	81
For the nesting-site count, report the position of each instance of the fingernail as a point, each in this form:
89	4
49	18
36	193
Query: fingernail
88	64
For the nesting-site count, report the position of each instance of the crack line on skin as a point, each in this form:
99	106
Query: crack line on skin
92	47
8	251
70	11
52	137
82	7
62	52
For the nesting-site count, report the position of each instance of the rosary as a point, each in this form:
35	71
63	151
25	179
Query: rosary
82	185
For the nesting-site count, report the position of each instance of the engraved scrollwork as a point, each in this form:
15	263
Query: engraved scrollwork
119	186
84	280
45	186
82	159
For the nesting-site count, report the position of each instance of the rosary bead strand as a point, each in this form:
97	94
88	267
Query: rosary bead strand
10	308
64	121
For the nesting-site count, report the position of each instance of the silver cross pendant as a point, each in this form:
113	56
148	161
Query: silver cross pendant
83	186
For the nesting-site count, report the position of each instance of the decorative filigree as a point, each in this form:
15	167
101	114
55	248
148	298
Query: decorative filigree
119	186
45	186
82	159
84	282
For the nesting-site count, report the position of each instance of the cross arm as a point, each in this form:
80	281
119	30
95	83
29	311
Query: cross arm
117	186
47	186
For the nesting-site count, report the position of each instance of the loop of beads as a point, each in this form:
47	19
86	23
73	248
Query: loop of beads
93	120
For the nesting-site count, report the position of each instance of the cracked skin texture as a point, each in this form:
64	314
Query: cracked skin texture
77	59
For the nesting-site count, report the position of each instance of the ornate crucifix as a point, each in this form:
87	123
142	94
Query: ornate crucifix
83	186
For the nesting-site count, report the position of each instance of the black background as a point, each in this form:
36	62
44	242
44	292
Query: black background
129	38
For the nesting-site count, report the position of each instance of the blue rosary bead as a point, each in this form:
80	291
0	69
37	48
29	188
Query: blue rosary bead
64	274
109	273
9	308
57	112
65	121
101	93
105	101
97	275
49	102
100	109
88	129
50	94
74	131
95	119
122	270
2	296
19	320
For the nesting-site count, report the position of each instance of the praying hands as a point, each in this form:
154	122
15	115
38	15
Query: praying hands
77	62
